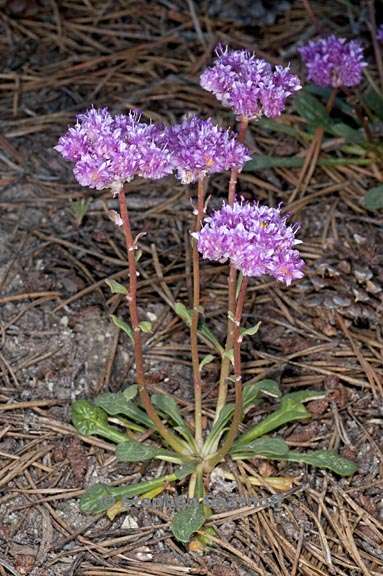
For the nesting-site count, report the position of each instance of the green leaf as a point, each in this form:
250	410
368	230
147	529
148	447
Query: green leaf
250	331
87	418
203	330
374	101
100	497
325	459
184	471
373	200
325	93
133	451
229	354
207	334
304	395
146	326
311	110
276	126
265	447
90	420
288	411
116	287
348	133
168	406
253	390
187	521
130	392
206	360
184	313
115	404
97	499
79	208
123	326
263	162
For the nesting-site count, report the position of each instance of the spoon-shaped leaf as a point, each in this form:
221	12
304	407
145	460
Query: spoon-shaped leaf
120	403
133	451
100	497
91	420
325	459
288	411
266	447
169	407
251	394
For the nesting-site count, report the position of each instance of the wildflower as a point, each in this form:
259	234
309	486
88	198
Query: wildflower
109	150
255	239
199	147
379	34
249	85
334	61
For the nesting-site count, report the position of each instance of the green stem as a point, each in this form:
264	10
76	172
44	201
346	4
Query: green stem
238	408
195	316
113	435
166	434
225	363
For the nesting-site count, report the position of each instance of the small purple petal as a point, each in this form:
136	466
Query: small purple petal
255	239
333	61
199	147
108	150
249	85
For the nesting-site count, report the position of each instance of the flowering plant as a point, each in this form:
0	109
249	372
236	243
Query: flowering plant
334	61
255	240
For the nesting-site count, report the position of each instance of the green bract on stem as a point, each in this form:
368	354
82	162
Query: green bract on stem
166	434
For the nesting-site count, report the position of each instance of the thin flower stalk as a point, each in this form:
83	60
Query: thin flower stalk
166	434
195	314
231	283
331	62
238	409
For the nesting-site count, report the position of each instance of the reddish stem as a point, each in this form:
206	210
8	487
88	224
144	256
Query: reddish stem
243	124
168	436
237	417
225	364
195	316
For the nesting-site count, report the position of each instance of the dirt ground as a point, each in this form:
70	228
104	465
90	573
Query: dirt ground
57	342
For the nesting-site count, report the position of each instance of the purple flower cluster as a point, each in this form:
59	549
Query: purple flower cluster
334	61
108	150
199	147
255	239
249	85
379	34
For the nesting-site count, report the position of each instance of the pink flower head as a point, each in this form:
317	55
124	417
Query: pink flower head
107	150
333	61
255	239
199	147
249	85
